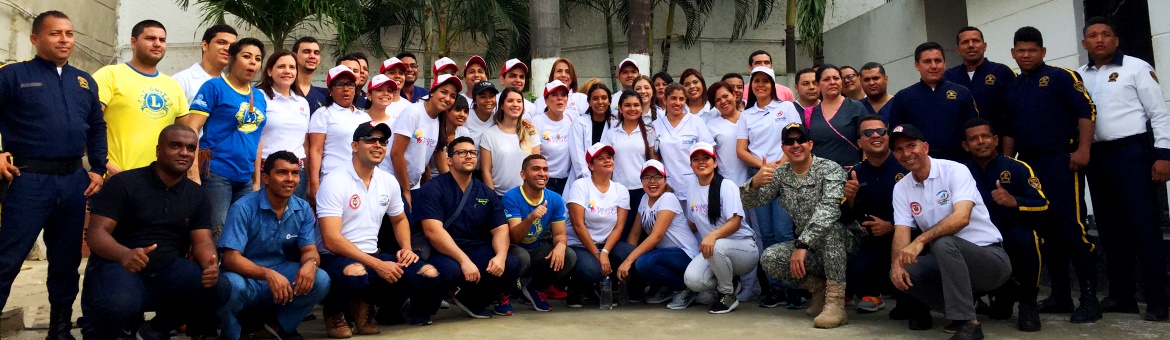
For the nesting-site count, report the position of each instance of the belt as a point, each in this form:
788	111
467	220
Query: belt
1144	137
48	167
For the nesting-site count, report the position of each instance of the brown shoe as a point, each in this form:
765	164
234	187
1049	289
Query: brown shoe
833	315
366	325
335	325
815	286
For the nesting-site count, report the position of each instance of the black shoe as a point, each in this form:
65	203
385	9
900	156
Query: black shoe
921	322
968	331
60	323
900	313
1089	310
1156	314
724	303
1055	305
1123	306
954	326
772	300
282	334
981	307
574	300
1001	308
1029	319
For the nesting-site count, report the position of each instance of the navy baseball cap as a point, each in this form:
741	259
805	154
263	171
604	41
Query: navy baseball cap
483	86
905	130
367	128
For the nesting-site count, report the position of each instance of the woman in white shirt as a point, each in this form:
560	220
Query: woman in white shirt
728	245
502	148
661	79
288	112
450	127
663	256
597	212
331	128
696	92
416	134
590	127
644	87
634	139
553	128
676	134
577	103
722	128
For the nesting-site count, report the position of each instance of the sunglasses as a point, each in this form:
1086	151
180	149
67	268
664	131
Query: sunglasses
369	140
874	132
797	140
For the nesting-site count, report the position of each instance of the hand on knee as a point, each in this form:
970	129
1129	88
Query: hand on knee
356	269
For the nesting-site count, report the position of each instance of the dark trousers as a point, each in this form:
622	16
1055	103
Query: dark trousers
1125	203
587	272
477	296
1023	248
947	278
55	203
664	266
533	264
1065	237
114	299
557	185
424	292
868	271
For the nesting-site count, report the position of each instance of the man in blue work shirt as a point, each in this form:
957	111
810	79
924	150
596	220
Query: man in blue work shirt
464	222
1012	193
1050	124
1130	161
984	78
269	246
50	117
938	106
874	82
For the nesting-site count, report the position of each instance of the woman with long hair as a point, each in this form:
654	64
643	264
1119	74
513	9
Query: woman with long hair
577	103
663	256
597	208
696	92
502	148
722	128
287	111
554	127
416	134
634	140
833	123
590	127
677	132
661	79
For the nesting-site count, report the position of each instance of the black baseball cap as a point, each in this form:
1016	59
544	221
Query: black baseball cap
483	86
793	127
365	129
905	130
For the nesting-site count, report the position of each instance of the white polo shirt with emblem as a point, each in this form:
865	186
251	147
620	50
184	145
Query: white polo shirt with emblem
1127	96
337	124
923	205
674	145
361	209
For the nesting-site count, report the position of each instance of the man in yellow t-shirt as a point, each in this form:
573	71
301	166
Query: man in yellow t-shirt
139	101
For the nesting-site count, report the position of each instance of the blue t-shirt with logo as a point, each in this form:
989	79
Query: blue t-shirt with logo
230	133
518	206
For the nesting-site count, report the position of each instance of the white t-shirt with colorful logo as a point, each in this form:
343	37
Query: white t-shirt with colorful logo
601	208
678	234
423	132
554	143
729	203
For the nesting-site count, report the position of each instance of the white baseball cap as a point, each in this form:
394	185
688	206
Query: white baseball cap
379	80
653	164
703	147
595	149
553	86
391	63
447	79
338	71
765	70
443	63
629	61
513	63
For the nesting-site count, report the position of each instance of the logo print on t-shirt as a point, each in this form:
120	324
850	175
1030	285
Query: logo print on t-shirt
419	138
248	121
355	202
384	200
698	208
154	103
942	197
550	137
915	208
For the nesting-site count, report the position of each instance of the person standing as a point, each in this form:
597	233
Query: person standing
483	106
577	103
515	75
1128	97
215	43
50	117
850	80
986	79
330	128
935	104
695	91
416	135
308	55
628	71
1050	122
288	113
722	128
807	90
474	71
874	82
553	127
138	101
506	144
833	123
677	132
410	90
762	58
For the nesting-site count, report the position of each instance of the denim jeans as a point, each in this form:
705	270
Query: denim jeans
476	296
423	291
246	292
533	264
114	299
664	266
588	269
55	203
223	192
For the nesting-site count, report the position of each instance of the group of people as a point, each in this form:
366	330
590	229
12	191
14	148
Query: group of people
223	206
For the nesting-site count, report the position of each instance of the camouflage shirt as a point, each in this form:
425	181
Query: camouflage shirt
814	201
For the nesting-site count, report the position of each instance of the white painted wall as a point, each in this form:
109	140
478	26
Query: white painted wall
838	12
1059	20
94	45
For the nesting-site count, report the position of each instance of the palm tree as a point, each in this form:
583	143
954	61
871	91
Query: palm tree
810	20
276	19
696	12
609	10
790	37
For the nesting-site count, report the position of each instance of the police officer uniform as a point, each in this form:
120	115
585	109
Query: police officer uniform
986	84
1044	110
1128	97
940	112
49	118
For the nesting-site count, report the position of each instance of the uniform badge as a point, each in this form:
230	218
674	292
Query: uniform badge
1113	77
943	197
482	201
1079	86
384	200
951	94
1005	177
82	82
1034	182
1043	81
989	79
355	202
915	208
1155	76
898	177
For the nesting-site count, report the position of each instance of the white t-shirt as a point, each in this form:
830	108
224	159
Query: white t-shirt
730	166
629	153
576	105
423	133
287	127
729	203
555	143
337	123
191	80
507	157
344	194
601	209
674	146
923	205
762	127
678	234
476	127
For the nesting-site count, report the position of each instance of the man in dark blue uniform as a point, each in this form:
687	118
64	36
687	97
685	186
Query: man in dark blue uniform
937	106
1050	124
49	118
984	78
1012	194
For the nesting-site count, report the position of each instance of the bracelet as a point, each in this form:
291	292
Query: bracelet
314	262
602	250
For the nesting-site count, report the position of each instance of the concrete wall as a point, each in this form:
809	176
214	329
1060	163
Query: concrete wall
1160	29
94	38
887	34
1060	22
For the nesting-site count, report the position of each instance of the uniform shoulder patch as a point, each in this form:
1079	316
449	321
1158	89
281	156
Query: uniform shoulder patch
1034	182
1155	76
951	94
898	177
989	79
82	82
1079	86
1005	177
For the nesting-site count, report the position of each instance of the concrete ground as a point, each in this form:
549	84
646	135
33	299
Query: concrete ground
649	322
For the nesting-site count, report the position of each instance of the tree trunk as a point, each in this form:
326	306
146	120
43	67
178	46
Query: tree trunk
639	27
669	36
790	38
613	83
546	29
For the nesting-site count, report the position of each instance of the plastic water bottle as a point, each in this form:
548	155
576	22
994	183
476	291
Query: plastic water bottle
606	295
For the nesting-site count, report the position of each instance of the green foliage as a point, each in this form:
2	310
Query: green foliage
276	19
810	22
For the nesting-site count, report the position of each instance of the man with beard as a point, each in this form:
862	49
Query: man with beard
138	100
308	55
984	78
874	82
410	91
216	40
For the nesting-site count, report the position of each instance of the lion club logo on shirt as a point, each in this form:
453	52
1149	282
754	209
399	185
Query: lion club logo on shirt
154	103
355	202
942	197
248	121
915	208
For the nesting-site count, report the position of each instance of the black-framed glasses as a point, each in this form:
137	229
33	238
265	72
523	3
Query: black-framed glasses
346	84
653	177
466	153
849	77
370	140
874	132
796	140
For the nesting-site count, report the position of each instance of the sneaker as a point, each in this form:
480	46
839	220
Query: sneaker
573	300
870	304
504	306
682	299
481	314
539	303
555	293
420	320
146	332
444	305
661	295
772	299
795	302
968	331
724	304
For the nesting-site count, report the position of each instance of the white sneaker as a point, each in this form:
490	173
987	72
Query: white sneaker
682	299
661	295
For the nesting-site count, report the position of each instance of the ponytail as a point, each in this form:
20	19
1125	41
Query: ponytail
714	201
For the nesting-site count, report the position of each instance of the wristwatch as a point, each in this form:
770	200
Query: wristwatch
801	245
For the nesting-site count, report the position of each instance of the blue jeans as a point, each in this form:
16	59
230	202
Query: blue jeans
476	296
587	272
55	203
423	291
664	266
114	299
223	192
246	292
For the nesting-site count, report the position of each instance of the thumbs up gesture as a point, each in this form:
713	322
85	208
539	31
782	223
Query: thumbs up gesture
539	212
1002	197
851	186
766	175
136	259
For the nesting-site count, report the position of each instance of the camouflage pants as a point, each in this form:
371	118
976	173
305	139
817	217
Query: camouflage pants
827	261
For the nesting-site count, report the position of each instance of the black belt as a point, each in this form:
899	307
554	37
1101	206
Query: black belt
48	167
1144	137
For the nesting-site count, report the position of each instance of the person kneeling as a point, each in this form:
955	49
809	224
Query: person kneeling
811	188
534	213
670	245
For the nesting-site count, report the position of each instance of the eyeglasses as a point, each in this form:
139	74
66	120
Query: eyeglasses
370	140
653	177
797	140
346	84
466	153
874	132
849	77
